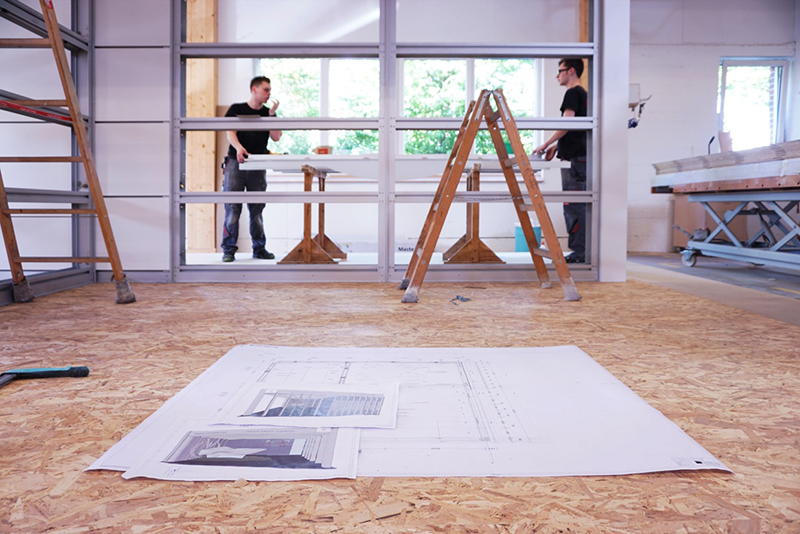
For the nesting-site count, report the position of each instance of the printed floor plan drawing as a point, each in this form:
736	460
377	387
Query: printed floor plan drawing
550	411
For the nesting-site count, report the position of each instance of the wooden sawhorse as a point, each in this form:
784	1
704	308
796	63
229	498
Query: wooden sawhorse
320	248
470	248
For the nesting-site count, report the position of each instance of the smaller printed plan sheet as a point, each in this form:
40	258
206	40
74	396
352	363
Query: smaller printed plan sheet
335	405
291	413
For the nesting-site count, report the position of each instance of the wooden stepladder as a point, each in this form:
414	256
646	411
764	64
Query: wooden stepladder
479	110
22	289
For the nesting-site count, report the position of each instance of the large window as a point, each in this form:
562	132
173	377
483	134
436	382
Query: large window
442	88
349	88
341	88
751	99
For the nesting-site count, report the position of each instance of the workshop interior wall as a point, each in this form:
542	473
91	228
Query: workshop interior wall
675	53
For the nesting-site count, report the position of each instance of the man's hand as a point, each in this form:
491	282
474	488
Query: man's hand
275	104
551	152
241	154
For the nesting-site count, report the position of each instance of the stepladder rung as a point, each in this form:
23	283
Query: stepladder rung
40	159
50	259
544	253
49	211
25	43
57	102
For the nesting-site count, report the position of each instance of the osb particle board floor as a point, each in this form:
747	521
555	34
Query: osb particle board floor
728	377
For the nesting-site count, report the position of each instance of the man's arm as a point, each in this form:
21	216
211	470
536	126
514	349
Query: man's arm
275	135
241	152
549	147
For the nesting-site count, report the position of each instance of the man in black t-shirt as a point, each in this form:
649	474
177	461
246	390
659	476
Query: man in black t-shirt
570	145
242	144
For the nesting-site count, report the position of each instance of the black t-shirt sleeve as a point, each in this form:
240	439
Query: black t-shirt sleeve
572	100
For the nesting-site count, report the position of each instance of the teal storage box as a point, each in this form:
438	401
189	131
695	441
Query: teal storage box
520	245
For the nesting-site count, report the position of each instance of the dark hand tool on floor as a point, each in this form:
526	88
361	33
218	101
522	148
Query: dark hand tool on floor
42	372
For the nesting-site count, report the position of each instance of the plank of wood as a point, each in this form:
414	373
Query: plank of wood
780	151
202	163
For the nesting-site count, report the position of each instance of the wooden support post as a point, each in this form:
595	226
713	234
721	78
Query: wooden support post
201	101
308	250
321	238
470	248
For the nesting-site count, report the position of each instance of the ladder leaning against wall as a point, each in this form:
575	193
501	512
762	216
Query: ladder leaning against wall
97	207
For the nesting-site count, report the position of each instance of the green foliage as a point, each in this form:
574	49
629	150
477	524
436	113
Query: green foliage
356	142
295	83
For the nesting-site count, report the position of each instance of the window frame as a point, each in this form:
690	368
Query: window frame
783	89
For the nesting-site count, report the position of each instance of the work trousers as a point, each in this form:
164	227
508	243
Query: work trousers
238	180
574	179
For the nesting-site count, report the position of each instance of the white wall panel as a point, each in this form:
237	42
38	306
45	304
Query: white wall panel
133	158
132	84
293	21
141	230
739	22
35	139
126	23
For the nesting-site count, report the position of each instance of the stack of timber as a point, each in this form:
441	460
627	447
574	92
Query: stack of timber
770	167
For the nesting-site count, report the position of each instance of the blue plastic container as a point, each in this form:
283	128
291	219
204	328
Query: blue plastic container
520	245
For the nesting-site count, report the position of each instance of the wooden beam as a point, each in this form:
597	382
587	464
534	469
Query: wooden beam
201	101
583	35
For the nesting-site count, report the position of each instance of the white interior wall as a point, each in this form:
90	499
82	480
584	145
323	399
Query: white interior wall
132	139
793	100
675	51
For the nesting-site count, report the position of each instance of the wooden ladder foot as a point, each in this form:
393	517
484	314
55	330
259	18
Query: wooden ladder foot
570	291
22	291
124	293
403	283
411	296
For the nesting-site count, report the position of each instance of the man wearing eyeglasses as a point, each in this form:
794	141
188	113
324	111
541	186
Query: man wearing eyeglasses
570	145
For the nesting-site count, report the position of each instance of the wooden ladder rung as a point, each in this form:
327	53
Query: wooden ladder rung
25	43
544	253
40	159
33	259
49	211
41	103
526	207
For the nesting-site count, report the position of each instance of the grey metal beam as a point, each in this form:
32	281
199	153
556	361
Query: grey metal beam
554	123
16	194
488	50
11	97
402	123
258	50
33	21
748	196
276	123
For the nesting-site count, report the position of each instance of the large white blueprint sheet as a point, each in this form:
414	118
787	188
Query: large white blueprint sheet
549	411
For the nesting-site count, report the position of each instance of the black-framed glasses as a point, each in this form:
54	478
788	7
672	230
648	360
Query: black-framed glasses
562	70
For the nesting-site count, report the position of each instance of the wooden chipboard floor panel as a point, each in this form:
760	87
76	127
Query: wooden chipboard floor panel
729	378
